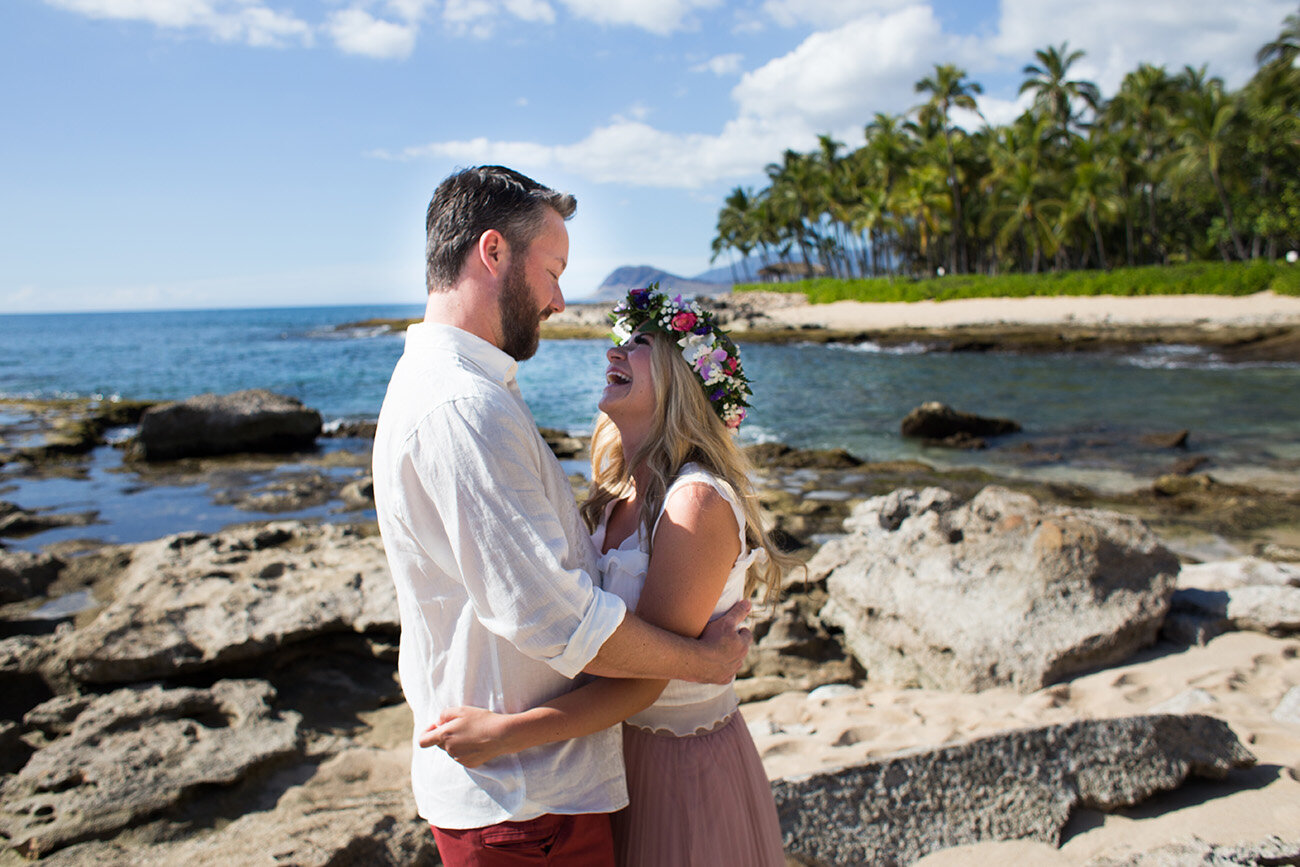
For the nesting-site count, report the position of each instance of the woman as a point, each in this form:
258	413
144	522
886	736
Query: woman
680	539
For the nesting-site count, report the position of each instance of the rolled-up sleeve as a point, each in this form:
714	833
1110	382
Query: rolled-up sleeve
480	464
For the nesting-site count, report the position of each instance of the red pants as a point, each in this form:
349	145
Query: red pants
583	840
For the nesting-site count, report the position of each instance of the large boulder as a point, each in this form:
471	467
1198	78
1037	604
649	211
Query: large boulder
1015	785
939	424
999	591
191	602
114	759
255	420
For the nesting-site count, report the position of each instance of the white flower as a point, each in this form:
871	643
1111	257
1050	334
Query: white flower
621	331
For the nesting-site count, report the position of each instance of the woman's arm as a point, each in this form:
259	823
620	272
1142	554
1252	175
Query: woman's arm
696	544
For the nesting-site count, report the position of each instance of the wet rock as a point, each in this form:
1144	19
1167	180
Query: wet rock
782	455
115	759
349	429
192	602
1000	591
1188	466
24	574
1015	785
940	424
288	492
1175	440
359	494
255	420
561	443
15	521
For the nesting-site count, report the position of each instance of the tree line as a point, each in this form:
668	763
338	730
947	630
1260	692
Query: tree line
1173	168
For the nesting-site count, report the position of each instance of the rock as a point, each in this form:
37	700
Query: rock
191	602
1196	615
782	455
1241	572
24	574
255	420
561	444
33	669
359	494
1288	709
21	522
349	429
13	751
1198	853
1000	591
1187	466
940	424
356	809
1014	785
1175	440
115	759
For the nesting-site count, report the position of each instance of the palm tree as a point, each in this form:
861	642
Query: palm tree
1142	109
1024	210
1204	132
1285	48
948	89
1093	194
1055	94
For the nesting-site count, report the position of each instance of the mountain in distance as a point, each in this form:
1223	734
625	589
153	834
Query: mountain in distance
629	277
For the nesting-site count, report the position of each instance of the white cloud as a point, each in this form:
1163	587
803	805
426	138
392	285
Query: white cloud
840	77
355	31
226	20
1119	34
657	16
828	13
722	65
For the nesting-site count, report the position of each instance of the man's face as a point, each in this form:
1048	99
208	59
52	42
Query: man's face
530	292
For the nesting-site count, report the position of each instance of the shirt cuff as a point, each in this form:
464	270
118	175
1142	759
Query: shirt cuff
604	615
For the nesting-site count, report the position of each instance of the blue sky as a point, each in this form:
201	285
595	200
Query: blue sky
243	153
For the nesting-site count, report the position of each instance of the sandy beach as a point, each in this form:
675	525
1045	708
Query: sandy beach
1264	308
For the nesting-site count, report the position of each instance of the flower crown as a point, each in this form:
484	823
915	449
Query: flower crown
706	347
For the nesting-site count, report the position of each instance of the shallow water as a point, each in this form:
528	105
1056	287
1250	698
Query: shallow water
1082	414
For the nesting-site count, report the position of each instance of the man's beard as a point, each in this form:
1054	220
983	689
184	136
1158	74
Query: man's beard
521	321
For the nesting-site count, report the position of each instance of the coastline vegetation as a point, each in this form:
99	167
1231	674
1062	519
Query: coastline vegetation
1173	168
1193	278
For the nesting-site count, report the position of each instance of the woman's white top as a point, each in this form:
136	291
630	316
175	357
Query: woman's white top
682	708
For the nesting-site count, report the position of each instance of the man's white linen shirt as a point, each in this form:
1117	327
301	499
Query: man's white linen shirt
494	575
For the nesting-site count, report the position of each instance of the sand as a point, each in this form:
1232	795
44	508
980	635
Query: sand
1239	677
1264	308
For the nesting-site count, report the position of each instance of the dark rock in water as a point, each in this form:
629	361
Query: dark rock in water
255	420
1187	466
1011	786
24	574
940	424
350	429
114	759
1175	440
782	455
561	444
999	591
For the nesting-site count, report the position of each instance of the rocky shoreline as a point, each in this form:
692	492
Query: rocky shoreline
232	695
774	317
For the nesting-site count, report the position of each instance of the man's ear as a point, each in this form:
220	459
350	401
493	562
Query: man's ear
493	252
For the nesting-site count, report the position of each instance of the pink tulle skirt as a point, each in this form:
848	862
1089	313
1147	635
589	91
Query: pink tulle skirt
697	800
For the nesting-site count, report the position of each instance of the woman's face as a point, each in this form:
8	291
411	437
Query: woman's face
629	395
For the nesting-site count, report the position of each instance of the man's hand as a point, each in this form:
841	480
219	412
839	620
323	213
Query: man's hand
724	644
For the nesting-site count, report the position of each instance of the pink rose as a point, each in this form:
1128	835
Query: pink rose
684	321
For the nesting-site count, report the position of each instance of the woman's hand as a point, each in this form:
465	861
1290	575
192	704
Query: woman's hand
470	735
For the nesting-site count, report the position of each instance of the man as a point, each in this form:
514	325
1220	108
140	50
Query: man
493	567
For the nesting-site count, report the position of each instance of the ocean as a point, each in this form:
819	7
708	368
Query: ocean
1083	414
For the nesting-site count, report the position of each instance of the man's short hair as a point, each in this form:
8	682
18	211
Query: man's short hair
472	201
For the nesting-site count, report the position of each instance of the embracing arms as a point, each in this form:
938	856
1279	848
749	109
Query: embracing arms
696	543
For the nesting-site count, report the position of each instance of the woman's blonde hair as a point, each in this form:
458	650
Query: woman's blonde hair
685	430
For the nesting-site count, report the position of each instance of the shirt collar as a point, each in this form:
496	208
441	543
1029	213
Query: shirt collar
474	349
